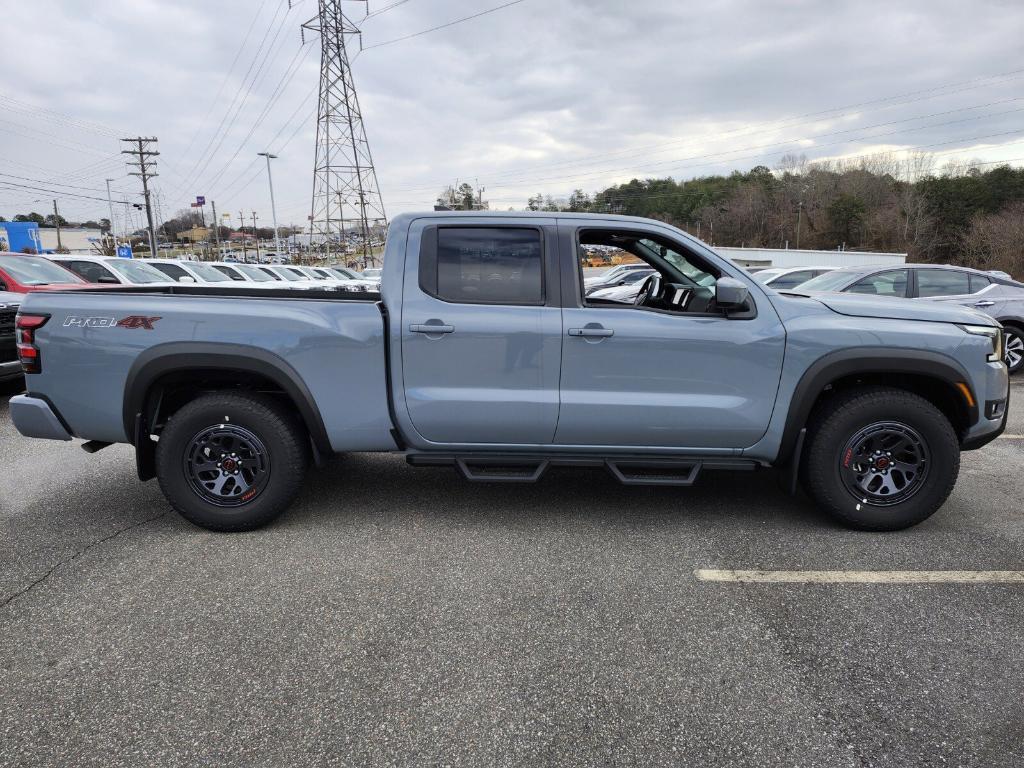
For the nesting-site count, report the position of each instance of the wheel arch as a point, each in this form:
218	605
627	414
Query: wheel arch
209	366
935	377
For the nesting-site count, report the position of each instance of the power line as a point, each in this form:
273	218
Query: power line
442	26
59	192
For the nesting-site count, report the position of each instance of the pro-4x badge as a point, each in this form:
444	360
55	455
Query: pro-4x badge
130	322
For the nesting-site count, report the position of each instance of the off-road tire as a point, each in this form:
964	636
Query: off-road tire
280	436
840	419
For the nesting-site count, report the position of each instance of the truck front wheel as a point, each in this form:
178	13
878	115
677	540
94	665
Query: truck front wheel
880	459
231	461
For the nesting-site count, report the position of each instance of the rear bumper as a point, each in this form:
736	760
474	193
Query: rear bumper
10	370
34	417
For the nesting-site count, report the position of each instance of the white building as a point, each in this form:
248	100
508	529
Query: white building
792	257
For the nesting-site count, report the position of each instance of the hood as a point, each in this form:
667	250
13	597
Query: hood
860	305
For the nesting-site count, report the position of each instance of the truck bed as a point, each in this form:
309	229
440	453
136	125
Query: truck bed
331	344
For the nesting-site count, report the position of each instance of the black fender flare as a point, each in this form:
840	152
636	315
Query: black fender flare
865	360
179	356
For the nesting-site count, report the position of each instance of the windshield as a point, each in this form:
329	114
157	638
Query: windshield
344	274
293	274
208	273
830	281
33	270
254	273
137	272
680	262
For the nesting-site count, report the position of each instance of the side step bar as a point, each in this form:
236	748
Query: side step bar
628	470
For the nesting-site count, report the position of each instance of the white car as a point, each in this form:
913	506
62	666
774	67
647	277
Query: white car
784	278
110	269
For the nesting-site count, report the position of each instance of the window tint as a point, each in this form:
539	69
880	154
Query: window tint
892	283
229	272
90	270
942	282
489	265
173	271
792	280
979	283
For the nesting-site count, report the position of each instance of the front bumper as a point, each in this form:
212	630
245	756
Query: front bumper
34	417
995	397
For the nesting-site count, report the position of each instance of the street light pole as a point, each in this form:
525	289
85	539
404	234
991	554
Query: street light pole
273	209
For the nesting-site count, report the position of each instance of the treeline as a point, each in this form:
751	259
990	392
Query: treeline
961	214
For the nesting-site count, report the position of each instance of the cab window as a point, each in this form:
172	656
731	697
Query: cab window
892	283
676	279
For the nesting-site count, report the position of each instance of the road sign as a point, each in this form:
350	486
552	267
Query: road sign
124	251
200	200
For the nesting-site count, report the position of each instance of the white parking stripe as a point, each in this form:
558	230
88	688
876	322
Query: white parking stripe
1011	437
861	577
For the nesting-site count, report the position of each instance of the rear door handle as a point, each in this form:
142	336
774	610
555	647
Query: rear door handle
984	303
427	328
591	332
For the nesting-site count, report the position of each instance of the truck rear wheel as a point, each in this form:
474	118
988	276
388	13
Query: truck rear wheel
231	461
880	459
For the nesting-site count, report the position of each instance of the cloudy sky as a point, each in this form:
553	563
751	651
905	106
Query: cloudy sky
540	96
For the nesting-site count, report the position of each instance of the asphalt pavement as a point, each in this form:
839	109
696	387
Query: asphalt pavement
401	616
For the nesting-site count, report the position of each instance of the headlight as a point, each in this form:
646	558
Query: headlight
994	334
354	288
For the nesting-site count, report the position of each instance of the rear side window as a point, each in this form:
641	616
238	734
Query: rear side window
979	283
173	271
229	272
483	265
942	282
90	270
892	283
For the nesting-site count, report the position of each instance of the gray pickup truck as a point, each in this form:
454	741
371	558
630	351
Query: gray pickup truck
482	352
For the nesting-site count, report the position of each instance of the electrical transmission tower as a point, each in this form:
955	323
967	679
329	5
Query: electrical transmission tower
345	190
144	166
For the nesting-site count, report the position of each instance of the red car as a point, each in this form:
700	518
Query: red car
20	273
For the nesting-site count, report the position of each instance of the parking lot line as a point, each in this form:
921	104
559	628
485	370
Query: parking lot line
1011	437
861	577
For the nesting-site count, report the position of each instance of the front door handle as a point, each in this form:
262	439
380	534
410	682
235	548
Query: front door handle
591	332
984	303
428	328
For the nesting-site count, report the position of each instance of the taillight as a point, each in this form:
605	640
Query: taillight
28	353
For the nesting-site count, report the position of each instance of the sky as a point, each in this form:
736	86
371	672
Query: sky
541	96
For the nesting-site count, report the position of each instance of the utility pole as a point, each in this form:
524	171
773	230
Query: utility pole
799	215
110	203
256	235
241	228
273	208
142	154
56	221
216	229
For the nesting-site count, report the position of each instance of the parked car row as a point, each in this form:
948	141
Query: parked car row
21	273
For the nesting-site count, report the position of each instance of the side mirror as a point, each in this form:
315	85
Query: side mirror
186	279
108	279
730	293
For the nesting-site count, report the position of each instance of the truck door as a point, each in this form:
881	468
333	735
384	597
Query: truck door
481	330
677	375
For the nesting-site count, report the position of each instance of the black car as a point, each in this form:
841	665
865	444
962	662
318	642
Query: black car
10	368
